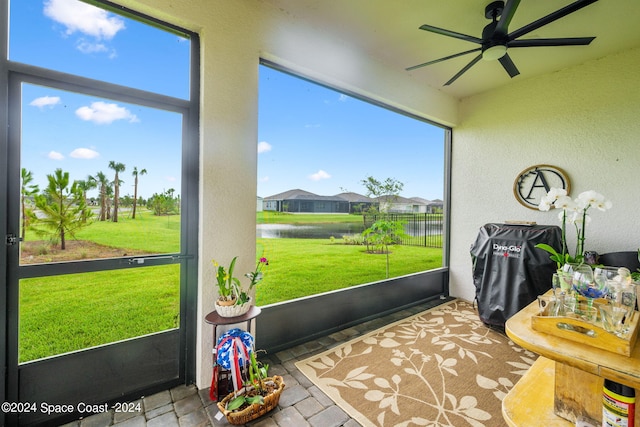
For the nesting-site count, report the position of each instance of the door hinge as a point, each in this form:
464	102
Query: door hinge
12	239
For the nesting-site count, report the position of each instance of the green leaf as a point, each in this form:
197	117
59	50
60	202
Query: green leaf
235	403
547	248
255	399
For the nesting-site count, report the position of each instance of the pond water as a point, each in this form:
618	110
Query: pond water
308	231
337	230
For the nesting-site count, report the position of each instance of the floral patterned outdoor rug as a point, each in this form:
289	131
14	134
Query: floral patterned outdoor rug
442	367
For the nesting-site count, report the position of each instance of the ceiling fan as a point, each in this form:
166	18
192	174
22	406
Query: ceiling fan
496	39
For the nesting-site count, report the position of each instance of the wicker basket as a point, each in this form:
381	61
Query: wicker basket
256	410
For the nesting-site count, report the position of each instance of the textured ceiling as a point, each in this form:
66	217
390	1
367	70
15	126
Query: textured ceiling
387	30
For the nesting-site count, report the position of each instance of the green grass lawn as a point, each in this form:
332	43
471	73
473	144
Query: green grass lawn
156	234
59	314
64	313
270	217
301	267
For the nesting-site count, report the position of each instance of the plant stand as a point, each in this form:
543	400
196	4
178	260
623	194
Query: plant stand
222	383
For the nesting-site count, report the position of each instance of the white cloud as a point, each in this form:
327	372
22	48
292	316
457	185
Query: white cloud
263	147
54	155
320	175
264	179
85	46
45	101
84	18
343	98
84	153
103	113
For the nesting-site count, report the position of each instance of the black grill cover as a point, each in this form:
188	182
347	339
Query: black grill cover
509	272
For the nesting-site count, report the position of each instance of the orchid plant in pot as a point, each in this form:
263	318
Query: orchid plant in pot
234	300
228	286
572	212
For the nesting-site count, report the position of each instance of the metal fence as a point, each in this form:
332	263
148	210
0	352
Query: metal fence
423	229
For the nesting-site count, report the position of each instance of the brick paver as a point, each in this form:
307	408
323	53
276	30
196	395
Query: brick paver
301	403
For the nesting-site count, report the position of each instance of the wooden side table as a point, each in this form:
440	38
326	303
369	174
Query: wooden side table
224	384
572	372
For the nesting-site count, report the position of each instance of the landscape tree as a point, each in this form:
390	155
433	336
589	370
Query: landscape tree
27	191
117	167
85	185
164	203
135	174
63	208
108	199
388	191
383	232
103	185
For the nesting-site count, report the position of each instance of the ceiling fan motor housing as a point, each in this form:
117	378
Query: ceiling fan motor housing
494	9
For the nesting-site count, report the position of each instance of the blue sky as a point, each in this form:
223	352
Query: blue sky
81	134
322	141
310	137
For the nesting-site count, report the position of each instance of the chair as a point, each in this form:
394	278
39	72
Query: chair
627	259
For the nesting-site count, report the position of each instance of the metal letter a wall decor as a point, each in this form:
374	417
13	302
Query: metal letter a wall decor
535	181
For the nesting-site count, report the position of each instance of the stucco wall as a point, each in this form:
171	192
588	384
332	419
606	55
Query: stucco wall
583	120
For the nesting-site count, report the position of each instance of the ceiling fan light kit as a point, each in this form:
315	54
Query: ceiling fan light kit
494	52
496	39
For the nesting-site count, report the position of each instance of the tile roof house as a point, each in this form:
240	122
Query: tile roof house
431	206
399	204
357	202
300	201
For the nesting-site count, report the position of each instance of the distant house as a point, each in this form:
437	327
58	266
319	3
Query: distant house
357	202
435	206
398	204
420	205
300	201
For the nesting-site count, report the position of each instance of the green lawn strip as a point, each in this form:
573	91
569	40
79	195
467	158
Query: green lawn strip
270	217
71	312
148	232
301	267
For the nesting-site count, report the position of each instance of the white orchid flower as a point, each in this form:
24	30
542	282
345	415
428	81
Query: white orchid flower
590	197
565	203
554	193
603	205
576	218
544	204
573	212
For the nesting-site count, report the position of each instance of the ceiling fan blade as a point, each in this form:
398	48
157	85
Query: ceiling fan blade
435	61
565	41
464	70
506	17
448	33
577	5
509	66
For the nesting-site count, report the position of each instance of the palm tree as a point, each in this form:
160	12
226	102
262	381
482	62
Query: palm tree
108	195
103	184
86	185
27	190
118	167
135	173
